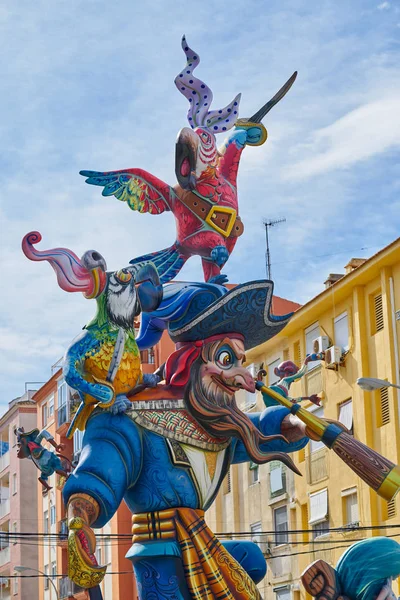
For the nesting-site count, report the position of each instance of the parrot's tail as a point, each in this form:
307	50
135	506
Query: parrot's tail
168	262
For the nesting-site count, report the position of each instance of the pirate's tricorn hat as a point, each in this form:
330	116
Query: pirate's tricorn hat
29	436
197	311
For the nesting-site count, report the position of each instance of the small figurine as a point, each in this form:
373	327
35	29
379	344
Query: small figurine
30	446
205	201
364	572
103	362
289	372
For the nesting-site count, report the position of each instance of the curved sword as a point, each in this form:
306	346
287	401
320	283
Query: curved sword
260	114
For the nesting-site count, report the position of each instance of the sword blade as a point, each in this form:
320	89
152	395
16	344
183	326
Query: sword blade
117	356
260	114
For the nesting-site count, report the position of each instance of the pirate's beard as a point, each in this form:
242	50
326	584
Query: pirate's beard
217	412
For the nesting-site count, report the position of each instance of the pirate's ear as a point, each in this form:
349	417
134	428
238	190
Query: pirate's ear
148	287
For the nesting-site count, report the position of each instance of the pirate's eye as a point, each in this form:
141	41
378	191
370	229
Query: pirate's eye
224	359
123	276
204	137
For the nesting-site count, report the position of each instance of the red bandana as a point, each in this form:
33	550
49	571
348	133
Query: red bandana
178	365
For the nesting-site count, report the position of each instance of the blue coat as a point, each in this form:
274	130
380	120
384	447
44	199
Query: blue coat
120	459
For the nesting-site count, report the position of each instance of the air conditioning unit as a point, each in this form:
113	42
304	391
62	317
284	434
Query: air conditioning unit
320	344
333	357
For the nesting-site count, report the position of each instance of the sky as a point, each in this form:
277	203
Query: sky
90	85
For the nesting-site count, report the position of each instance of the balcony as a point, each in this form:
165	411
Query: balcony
66	588
4	507
66	411
4	556
4	461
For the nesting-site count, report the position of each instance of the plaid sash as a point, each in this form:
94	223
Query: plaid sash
211	572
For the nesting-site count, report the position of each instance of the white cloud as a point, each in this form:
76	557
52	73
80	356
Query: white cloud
367	131
383	6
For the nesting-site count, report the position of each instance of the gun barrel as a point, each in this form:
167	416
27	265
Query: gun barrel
378	472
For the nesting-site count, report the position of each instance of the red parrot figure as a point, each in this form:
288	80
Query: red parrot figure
205	200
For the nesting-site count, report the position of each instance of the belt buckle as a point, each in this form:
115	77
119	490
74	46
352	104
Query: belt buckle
231	212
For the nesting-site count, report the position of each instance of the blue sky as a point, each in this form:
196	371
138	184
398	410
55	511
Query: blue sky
89	85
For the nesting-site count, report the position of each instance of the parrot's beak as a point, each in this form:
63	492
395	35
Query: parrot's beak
186	158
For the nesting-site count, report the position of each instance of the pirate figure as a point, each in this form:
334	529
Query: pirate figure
30	446
288	372
169	451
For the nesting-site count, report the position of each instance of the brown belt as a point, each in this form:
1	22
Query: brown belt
221	218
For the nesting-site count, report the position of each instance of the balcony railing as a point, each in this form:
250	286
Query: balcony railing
66	587
4	461
4	508
4	556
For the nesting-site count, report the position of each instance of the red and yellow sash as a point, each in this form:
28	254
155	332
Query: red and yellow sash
211	572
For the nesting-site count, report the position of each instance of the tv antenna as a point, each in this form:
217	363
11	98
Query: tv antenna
267	224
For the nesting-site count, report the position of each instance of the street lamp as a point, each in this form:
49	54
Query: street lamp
21	569
369	384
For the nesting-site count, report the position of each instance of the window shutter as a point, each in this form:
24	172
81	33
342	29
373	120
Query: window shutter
297	353
384	407
378	308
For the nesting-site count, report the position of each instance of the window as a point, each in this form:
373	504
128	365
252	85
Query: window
14	531
46	581
272	378
15	583
54	569
63	395
46	521
151	356
4	540
341	331
14	483
281	525
283	594
350	506
256	530
346	414
311	333
52	515
254	473
276	479
78	439
320	529
316	445
51	407
44	415
319	513
98	554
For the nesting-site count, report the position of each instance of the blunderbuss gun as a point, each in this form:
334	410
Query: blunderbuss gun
378	472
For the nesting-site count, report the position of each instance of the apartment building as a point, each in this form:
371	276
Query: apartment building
357	319
18	503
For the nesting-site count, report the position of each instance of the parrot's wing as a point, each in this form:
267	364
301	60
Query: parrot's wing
139	189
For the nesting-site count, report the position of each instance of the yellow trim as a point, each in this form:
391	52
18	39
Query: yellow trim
96	288
390	485
243	124
226	210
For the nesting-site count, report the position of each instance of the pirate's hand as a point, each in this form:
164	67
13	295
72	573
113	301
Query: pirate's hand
83	567
256	134
120	405
60	447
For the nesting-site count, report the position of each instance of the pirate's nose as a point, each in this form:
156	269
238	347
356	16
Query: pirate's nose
245	381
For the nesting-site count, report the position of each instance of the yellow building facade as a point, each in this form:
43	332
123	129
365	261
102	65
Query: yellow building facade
297	520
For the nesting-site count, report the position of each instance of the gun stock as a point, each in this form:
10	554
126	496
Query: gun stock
378	472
